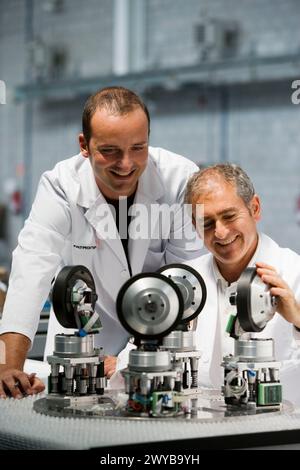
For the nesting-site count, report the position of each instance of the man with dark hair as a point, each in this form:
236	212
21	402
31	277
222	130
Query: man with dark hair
229	216
78	217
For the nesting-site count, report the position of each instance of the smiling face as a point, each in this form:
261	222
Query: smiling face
117	150
229	226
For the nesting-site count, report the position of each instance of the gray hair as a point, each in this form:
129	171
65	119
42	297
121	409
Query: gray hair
231	173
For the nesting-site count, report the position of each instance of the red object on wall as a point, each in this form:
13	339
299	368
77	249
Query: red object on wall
16	201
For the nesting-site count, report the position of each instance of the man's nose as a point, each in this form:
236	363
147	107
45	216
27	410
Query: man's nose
221	231
125	162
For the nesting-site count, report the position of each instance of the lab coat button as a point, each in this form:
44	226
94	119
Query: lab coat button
124	274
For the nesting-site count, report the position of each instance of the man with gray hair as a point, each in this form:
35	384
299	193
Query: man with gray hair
230	210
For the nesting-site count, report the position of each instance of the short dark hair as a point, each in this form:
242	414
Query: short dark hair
231	173
117	99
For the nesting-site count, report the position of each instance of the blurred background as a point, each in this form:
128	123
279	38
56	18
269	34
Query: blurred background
216	75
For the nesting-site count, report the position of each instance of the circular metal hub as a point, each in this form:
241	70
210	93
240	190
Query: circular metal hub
149	305
255	305
74	346
149	361
258	350
192	288
179	341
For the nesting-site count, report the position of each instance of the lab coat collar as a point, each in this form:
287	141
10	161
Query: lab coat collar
88	189
150	189
150	183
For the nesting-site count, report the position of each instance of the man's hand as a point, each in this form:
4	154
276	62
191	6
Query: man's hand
287	305
17	384
14	382
110	363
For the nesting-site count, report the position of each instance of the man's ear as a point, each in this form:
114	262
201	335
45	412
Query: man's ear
83	146
255	208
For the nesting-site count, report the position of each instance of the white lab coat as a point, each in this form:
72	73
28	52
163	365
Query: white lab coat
64	229
286	338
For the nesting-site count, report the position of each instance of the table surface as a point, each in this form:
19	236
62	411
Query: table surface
23	428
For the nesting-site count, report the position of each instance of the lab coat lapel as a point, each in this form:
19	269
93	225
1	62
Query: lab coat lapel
209	318
98	214
102	220
145	217
207	336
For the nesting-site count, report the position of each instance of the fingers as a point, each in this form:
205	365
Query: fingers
269	275
278	292
110	363
2	392
274	280
37	386
15	383
260	264
286	303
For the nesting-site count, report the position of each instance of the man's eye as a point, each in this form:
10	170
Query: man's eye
108	151
207	225
229	217
138	148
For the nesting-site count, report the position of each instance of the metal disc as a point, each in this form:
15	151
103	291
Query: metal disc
255	305
149	305
62	293
192	288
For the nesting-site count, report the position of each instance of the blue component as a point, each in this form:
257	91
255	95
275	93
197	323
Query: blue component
251	372
165	399
82	332
47	306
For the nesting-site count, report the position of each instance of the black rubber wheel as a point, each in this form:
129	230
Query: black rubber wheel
62	290
243	301
199	279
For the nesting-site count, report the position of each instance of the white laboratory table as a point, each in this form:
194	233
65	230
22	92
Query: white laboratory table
22	428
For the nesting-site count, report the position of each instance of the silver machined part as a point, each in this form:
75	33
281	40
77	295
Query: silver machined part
209	408
156	377
54	378
127	380
92	370
194	362
101	382
78	291
258	350
83	385
69	371
54	370
274	374
74	346
54	384
263	305
68	381
171	381
179	341
145	385
151	306
189	287
92	385
149	360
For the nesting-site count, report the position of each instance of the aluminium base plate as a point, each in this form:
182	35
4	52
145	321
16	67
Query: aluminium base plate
206	405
